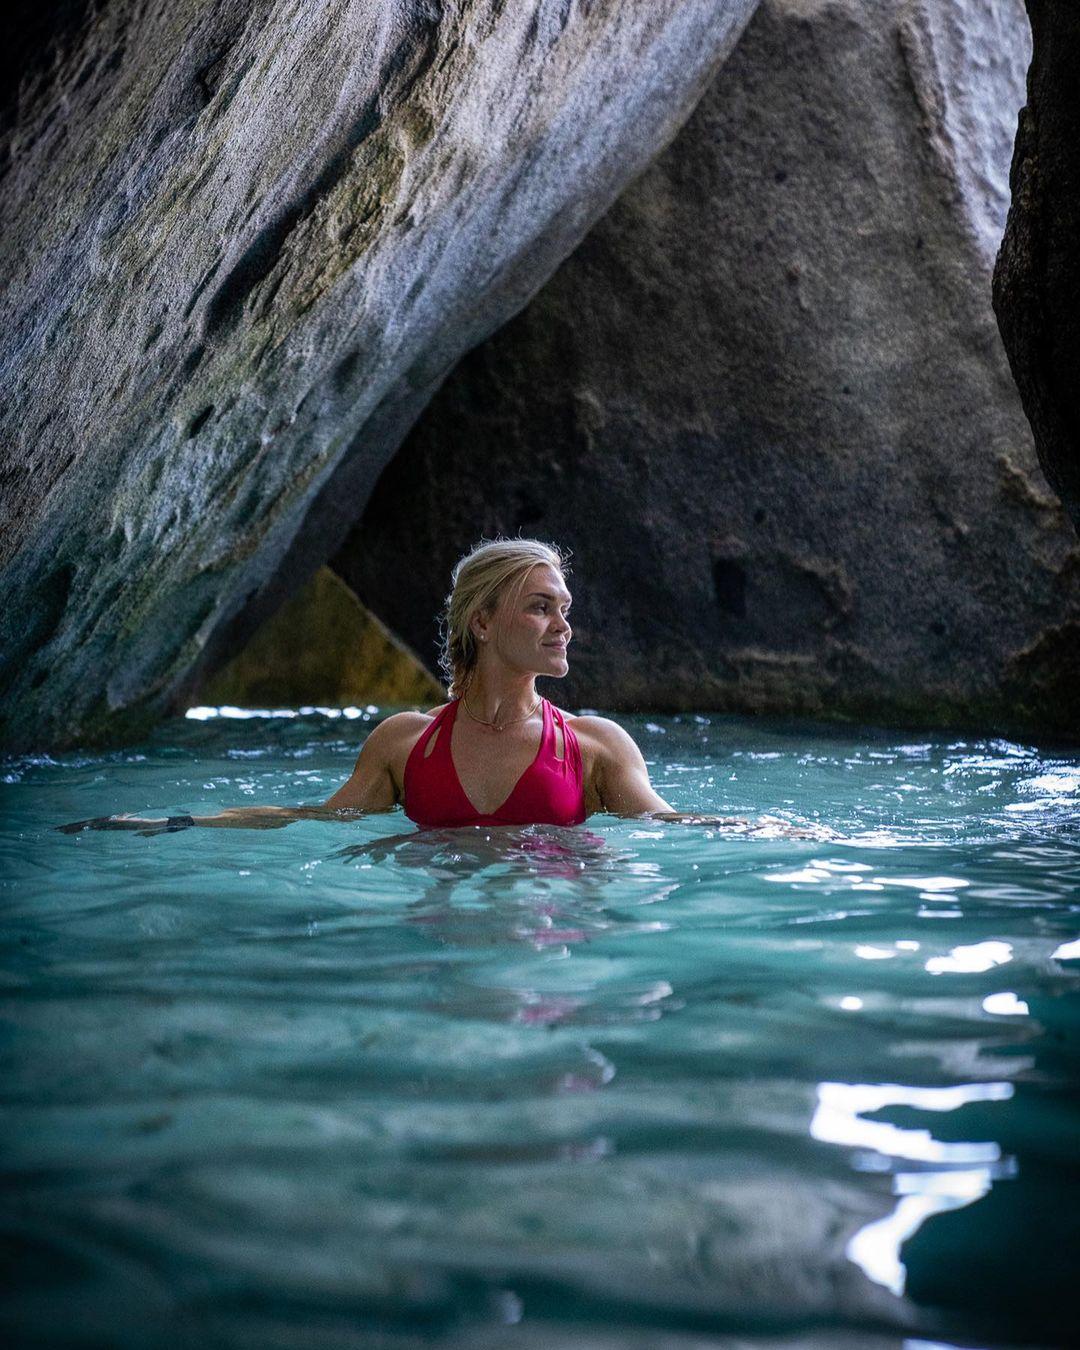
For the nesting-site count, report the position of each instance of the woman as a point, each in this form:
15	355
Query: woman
497	753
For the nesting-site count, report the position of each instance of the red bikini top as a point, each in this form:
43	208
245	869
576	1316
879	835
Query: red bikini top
549	792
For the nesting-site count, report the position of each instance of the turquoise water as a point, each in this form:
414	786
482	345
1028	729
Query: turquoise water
628	1084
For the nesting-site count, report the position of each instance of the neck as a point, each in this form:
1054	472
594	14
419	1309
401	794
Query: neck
501	698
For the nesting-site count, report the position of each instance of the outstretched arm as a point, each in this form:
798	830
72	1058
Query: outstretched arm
369	788
234	818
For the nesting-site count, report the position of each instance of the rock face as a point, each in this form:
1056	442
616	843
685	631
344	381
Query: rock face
243	243
766	405
322	647
1037	278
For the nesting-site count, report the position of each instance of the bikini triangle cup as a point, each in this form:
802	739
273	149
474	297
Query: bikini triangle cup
549	792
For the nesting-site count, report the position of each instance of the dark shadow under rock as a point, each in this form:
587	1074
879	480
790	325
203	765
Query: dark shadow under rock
1037	278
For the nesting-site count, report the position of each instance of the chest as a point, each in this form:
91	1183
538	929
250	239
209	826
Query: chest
489	765
492	769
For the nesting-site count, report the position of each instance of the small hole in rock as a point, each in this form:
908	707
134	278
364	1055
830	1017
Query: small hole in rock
729	582
191	363
199	421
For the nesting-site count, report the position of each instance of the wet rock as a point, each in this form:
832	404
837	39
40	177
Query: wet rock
243	242
766	404
1037	278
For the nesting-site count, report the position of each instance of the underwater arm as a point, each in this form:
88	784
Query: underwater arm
694	818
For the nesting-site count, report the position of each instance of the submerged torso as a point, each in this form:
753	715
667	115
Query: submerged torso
550	791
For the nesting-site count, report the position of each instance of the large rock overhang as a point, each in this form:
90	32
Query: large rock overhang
243	245
766	406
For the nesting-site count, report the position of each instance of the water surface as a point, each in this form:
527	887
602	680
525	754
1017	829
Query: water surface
625	1084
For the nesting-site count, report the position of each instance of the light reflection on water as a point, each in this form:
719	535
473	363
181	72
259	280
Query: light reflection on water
964	1172
595	1082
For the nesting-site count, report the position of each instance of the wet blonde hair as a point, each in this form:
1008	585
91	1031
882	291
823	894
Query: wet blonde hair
480	579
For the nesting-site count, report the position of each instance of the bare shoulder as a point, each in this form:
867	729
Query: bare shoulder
411	717
591	724
402	726
388	744
600	733
616	773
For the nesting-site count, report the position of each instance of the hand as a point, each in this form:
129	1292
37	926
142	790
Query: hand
142	825
113	823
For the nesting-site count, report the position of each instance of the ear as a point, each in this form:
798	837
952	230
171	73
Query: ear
480	625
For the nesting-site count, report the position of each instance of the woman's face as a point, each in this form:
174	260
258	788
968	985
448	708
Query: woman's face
530	631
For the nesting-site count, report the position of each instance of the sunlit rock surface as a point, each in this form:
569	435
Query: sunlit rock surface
766	404
322	647
1037	279
243	242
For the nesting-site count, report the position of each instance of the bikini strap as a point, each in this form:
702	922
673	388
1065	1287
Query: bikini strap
571	749
547	729
433	726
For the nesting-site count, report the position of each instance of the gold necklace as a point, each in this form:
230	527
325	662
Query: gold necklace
512	723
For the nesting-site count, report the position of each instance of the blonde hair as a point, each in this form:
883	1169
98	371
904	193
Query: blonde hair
480	579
